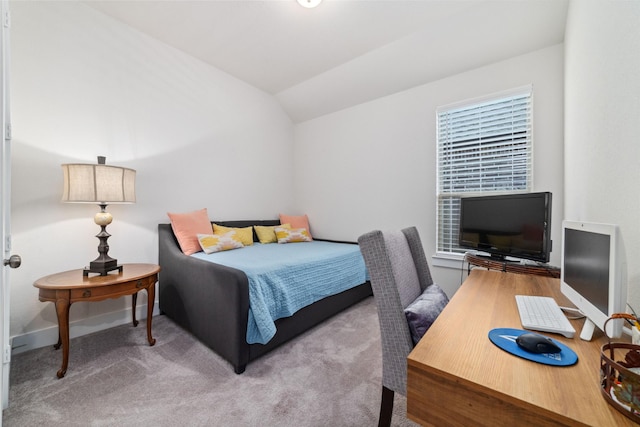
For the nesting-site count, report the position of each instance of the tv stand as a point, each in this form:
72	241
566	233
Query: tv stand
511	267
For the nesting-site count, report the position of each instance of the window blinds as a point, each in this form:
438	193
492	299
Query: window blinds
483	147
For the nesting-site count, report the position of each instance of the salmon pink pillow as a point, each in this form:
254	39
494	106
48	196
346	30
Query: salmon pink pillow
187	226
296	221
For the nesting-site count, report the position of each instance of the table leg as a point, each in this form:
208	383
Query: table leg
134	299
62	311
151	296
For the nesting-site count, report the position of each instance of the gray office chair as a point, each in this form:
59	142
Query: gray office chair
399	274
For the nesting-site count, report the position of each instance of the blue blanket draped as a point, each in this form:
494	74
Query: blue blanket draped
283	278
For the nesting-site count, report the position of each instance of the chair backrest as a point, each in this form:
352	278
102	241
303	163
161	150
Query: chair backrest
399	273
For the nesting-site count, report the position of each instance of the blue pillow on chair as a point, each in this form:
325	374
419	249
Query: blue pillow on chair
422	312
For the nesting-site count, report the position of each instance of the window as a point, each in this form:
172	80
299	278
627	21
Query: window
484	147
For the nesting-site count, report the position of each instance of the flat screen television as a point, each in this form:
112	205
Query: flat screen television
509	225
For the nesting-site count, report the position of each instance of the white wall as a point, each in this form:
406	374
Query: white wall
602	142
84	85
373	166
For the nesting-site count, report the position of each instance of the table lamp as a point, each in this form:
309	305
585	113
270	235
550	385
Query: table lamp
103	185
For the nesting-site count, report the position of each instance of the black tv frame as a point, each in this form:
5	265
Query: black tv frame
482	243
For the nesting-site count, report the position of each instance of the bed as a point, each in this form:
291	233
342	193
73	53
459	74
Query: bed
212	300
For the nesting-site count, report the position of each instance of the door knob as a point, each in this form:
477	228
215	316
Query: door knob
14	261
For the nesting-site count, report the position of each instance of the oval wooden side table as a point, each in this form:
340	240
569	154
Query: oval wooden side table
63	289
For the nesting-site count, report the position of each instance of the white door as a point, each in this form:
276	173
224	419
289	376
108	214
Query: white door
9	260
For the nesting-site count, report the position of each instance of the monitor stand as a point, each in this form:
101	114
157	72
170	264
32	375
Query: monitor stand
587	330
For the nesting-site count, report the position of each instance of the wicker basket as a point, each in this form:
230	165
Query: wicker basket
620	381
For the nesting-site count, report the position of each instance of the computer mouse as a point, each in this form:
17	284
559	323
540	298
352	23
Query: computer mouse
535	343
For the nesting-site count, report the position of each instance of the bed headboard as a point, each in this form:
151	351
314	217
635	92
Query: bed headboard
238	223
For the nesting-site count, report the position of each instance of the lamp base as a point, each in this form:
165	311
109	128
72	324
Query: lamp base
103	268
104	263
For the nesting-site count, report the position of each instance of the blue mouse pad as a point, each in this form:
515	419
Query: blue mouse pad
505	338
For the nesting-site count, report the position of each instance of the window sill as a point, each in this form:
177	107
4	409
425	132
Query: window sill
455	261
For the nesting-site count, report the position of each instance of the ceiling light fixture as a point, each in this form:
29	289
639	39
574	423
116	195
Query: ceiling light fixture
309	4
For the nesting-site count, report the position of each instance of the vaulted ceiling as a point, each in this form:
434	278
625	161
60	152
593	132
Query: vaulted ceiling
344	52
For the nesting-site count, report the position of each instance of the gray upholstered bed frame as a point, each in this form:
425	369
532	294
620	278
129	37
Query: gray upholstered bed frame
211	301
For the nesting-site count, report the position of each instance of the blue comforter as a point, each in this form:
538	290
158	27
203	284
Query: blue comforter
283	278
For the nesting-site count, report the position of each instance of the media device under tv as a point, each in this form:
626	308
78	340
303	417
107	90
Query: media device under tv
510	225
593	274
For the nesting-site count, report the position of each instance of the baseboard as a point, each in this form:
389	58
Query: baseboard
49	336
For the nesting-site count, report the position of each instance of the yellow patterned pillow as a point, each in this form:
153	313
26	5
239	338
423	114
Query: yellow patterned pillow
292	235
267	234
296	221
243	235
211	243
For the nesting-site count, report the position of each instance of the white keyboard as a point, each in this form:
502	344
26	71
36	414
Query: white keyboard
543	314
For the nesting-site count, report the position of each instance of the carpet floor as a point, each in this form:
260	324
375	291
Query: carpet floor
329	376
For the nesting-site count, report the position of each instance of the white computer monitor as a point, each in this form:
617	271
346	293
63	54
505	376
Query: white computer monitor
592	276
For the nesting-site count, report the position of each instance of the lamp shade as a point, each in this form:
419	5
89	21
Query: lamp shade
101	184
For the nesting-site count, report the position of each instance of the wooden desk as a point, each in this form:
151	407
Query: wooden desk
64	289
457	377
